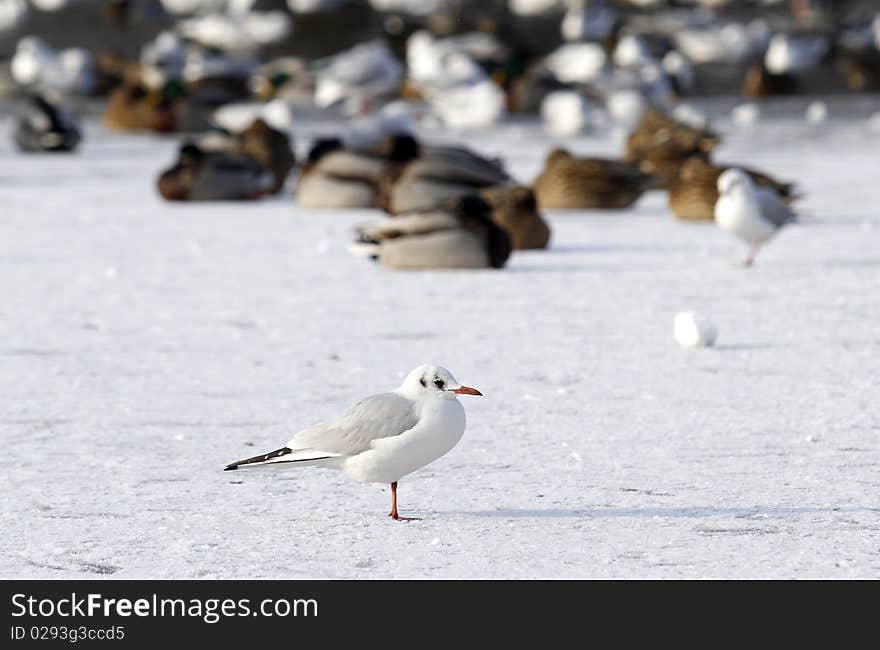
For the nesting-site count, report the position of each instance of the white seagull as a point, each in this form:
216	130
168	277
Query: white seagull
384	437
754	214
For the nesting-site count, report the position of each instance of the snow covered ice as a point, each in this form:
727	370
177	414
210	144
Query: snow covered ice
147	344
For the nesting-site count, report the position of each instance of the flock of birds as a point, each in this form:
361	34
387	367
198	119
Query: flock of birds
448	206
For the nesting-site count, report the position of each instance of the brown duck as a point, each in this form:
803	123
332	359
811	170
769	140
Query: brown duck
693	194
570	183
269	147
660	144
515	209
134	107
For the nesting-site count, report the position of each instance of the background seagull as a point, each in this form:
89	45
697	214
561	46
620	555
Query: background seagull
382	438
754	214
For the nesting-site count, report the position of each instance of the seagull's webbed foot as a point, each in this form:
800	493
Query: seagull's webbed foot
397	517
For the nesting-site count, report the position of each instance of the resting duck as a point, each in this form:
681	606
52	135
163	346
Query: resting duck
460	235
445	173
269	147
515	209
134	107
570	183
693	195
660	144
200	175
44	126
437	175
335	176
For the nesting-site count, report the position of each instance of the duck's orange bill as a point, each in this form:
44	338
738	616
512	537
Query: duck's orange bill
467	390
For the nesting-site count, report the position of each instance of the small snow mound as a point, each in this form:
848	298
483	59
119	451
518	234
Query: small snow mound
692	330
745	115
817	113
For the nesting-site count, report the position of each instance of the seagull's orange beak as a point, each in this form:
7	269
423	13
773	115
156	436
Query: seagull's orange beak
467	390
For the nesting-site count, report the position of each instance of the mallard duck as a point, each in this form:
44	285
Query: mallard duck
336	176
439	174
134	107
570	183
692	196
43	126
515	209
660	144
200	175
460	235
269	147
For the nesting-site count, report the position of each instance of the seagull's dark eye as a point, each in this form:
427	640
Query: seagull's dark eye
438	383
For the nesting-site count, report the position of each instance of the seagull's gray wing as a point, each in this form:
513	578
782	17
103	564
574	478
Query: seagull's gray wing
379	416
773	208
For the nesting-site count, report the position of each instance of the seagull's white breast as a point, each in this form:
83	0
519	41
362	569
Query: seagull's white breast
739	214
441	425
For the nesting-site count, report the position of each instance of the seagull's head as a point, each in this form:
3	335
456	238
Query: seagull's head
732	179
434	381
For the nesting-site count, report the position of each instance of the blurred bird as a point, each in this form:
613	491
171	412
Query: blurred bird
565	113
515	210
37	66
437	175
271	148
359	79
752	214
44	126
660	144
200	175
570	183
134	107
694	193
792	54
335	176
458	235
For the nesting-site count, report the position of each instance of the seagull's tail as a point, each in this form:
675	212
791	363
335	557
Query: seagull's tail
285	457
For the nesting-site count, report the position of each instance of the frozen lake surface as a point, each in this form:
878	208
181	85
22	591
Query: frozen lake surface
144	345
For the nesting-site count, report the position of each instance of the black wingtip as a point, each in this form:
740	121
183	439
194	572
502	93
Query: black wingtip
229	468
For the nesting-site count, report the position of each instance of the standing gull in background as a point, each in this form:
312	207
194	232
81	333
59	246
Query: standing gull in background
754	214
382	438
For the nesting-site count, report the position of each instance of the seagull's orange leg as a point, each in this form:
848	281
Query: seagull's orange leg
393	514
